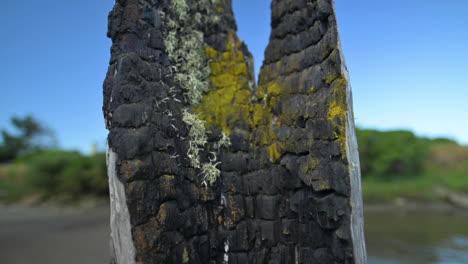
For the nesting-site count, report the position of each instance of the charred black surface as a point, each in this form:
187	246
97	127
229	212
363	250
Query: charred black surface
285	192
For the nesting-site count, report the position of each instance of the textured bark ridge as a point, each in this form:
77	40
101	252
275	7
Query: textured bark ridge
207	167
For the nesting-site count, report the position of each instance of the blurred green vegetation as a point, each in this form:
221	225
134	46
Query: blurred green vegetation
29	136
54	173
400	164
30	166
393	163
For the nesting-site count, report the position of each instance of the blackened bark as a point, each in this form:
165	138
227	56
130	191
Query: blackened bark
289	183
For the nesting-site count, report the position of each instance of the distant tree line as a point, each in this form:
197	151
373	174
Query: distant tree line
398	154
33	164
29	136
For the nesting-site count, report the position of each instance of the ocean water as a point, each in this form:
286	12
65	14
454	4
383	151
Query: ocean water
417	236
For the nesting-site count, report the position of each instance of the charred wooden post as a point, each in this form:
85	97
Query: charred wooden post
204	165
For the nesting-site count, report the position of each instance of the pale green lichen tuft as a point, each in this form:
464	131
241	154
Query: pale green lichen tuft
193	71
197	136
197	140
186	49
210	172
185	46
215	19
181	8
224	141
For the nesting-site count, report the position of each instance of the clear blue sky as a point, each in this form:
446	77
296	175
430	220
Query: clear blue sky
408	62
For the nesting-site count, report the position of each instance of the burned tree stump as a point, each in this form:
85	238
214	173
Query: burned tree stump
204	165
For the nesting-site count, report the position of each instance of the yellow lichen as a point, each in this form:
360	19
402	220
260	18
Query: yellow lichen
274	89
235	213
330	78
167	183
185	256
264	121
206	194
309	166
228	102
162	214
338	110
167	180
259	115
312	89
274	152
324	187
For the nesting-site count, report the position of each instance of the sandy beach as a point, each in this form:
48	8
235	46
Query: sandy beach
395	234
53	235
